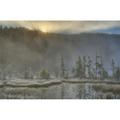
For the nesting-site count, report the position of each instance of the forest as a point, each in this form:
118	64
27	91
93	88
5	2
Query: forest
84	68
26	45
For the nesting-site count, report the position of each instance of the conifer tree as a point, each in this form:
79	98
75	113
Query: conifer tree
28	72
99	66
89	65
113	68
117	73
104	74
62	67
96	65
84	66
79	68
44	74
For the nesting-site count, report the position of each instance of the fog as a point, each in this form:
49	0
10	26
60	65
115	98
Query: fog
21	47
63	26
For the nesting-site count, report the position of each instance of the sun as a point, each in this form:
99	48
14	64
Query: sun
44	29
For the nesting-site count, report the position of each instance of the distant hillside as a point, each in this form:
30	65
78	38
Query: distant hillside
20	47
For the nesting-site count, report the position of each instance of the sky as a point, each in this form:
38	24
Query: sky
68	26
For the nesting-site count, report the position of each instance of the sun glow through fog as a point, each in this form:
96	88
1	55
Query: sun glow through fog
44	30
63	26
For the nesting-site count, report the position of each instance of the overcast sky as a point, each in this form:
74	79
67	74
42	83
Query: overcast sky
64	26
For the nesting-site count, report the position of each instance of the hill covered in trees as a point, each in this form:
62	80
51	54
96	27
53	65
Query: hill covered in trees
24	51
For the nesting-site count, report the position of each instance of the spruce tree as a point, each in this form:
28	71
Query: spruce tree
84	66
62	67
44	74
79	68
113	68
104	74
89	65
117	73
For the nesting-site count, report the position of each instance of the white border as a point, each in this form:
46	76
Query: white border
59	110
59	10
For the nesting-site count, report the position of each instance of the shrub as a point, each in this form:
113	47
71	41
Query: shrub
45	74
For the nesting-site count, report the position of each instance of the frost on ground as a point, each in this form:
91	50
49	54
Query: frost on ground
59	89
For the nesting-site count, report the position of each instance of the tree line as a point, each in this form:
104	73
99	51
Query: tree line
85	68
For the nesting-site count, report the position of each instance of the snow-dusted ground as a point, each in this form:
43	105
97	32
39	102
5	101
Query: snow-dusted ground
59	89
27	82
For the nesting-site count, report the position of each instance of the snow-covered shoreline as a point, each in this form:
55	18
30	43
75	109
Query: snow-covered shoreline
44	82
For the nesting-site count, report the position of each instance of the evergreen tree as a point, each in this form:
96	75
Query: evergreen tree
104	74
66	75
56	73
113	68
28	72
89	65
79	68
93	73
62	68
44	74
117	73
96	65
99	66
84	66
